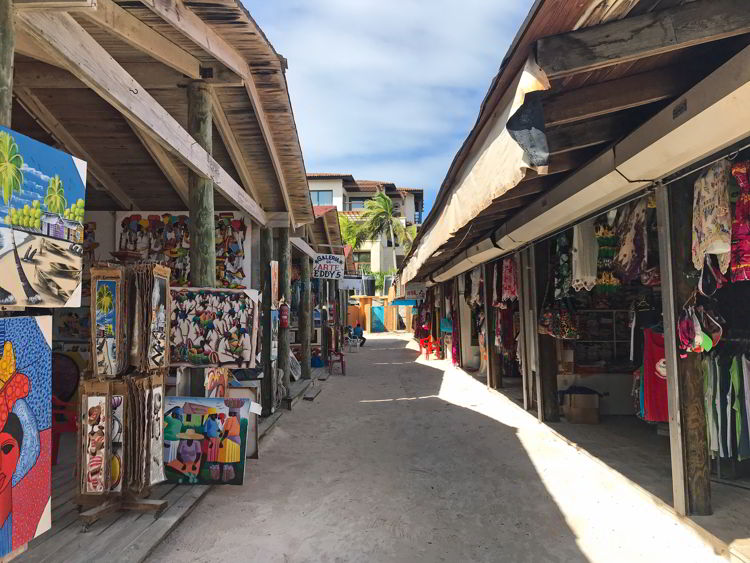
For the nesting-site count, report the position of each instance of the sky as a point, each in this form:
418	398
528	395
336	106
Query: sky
388	89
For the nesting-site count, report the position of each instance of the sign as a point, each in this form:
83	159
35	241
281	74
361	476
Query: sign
416	290
352	283
328	267
274	283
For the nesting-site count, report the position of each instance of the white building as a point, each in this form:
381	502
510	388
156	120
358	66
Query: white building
349	196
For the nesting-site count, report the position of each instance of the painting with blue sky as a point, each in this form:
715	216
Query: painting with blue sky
42	205
106	326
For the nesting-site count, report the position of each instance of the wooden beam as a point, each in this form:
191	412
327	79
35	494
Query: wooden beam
7	49
164	162
642	36
616	95
30	47
560	163
233	146
36	108
91	63
152	76
192	26
587	134
134	32
54	4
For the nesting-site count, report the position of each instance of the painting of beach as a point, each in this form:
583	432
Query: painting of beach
41	223
106	327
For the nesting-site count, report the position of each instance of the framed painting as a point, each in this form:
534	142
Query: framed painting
25	430
41	223
109	312
213	328
205	440
164	237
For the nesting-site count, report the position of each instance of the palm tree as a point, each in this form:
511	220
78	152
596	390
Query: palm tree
55	198
104	299
410	233
11	180
352	233
379	220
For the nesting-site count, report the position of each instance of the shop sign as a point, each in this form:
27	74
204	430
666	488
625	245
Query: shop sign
416	290
352	283
328	267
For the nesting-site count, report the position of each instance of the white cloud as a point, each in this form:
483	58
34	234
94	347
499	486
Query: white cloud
26	169
388	89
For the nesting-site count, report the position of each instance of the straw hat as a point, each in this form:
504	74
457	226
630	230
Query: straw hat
190	435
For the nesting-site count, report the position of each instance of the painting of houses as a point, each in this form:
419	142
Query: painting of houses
41	223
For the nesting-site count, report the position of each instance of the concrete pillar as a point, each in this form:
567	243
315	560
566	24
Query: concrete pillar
268	383
305	317
285	293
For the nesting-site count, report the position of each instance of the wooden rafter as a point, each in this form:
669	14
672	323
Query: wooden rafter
232	146
642	36
586	134
37	109
192	26
164	162
91	63
53	4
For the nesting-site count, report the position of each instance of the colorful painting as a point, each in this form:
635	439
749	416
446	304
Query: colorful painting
72	324
158	327
117	452
96	438
156	458
165	237
213	328
106	327
25	430
216	382
205	440
41	223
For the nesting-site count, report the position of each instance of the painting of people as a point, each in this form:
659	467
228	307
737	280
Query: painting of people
165	237
25	430
41	223
158	331
213	328
106	327
205	440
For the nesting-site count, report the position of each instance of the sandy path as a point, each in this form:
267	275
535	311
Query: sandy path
413	461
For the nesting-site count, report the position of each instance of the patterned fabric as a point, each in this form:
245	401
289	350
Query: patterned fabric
584	256
711	216
632	258
606	239
510	280
741	225
563	272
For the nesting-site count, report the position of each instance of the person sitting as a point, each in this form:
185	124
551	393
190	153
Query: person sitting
357	333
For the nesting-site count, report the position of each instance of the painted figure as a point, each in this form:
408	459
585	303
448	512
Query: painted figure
229	451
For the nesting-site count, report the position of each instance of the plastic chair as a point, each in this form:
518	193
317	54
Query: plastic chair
352	343
64	419
336	357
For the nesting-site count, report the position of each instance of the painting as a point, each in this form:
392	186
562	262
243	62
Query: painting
216	382
25	430
156	455
117	451
205	440
106	338
213	328
158	327
72	325
41	223
164	237
96	438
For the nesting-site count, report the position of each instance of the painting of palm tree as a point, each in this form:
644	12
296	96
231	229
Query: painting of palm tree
55	198
104	299
11	180
380	220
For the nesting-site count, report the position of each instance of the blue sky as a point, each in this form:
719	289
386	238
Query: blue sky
388	89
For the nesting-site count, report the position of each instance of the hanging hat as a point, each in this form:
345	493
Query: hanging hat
190	434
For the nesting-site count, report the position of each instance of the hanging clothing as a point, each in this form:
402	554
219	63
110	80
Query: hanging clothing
641	320
584	256
655	377
740	409
510	280
563	272
710	379
497	280
712	217
741	225
606	239
631	259
475	276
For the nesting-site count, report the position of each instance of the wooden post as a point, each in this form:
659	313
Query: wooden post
549	410
267	386
691	466
493	375
526	343
305	317
7	47
201	207
285	293
324	340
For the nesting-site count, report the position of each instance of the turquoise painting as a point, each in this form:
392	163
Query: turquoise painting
41	223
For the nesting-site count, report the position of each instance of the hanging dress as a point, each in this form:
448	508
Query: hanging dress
606	239
510	280
741	225
712	217
584	255
563	270
631	259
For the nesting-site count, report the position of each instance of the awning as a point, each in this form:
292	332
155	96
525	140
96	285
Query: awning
405	302
302	246
505	156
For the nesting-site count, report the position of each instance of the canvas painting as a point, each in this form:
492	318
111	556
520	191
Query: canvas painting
164	237
25	430
41	223
117	451
158	330
216	382
213	328
156	459
106	339
205	440
96	438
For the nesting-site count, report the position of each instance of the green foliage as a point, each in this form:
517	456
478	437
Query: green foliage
11	161
352	233
55	198
380	278
380	220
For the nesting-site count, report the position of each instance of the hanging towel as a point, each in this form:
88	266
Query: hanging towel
711	216
585	251
510	280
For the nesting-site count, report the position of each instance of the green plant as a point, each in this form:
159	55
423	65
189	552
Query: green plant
55	198
352	233
380	278
380	220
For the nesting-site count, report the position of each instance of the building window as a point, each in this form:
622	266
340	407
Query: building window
322	197
357	203
362	261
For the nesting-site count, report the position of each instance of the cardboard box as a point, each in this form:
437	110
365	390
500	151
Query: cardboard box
581	409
